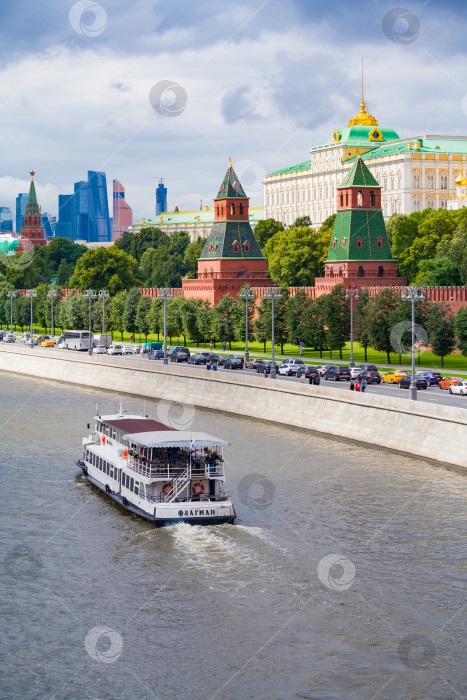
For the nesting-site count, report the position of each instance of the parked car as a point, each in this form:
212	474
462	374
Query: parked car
371	377
1	335
10	338
127	350
290	367
115	349
308	371
40	338
448	381
31	342
233	363
48	343
433	377
337	373
199	359
459	388
394	376
266	366
179	356
218	360
178	348
420	382
61	344
368	368
322	369
237	357
156	355
99	350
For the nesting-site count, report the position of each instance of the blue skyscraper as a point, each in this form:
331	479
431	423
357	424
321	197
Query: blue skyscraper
48	222
161	198
6	220
21	201
84	215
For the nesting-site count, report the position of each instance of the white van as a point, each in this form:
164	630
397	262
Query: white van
115	349
290	366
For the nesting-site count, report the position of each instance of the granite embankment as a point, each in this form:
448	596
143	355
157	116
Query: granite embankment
438	433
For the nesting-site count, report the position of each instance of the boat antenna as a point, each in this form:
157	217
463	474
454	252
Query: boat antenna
121	408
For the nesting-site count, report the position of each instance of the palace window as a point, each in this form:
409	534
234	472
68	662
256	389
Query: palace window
380	271
359	243
232	209
241	208
379	242
361	271
399	181
346	199
385	181
392	182
417	180
372	199
443	182
341	199
430	181
359	198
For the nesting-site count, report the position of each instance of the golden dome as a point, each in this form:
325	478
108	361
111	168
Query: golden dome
460	180
363	118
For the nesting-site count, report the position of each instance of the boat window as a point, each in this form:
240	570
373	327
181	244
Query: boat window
111	474
132	482
136	487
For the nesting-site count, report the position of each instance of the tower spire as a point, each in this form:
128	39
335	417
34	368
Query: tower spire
363	101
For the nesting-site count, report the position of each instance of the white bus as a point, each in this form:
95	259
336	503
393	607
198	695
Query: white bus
76	340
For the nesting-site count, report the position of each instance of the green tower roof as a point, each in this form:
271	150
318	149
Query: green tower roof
32	207
359	176
231	239
231	186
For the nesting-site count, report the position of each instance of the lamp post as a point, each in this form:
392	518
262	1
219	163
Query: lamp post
12	295
351	294
52	294
413	294
165	294
272	294
103	294
90	294
31	293
248	295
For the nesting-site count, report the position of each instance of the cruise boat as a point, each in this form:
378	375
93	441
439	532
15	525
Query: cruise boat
162	474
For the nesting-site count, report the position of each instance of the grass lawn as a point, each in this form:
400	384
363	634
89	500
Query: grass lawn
452	363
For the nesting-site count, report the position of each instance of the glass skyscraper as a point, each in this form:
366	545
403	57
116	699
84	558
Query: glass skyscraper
21	201
84	215
161	198
6	220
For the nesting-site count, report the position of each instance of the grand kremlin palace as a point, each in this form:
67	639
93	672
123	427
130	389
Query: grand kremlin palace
415	173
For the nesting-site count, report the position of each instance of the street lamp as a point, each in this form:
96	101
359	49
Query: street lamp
413	294
351	294
12	295
103	294
90	294
248	295
165	294
31	293
272	294
52	294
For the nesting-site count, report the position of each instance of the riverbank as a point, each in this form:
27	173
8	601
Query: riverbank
437	433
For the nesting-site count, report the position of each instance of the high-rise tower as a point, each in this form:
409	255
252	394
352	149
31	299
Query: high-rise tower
32	233
122	212
161	198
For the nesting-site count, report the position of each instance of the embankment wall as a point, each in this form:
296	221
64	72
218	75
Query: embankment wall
435	432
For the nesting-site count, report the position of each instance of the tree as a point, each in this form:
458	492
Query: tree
105	268
361	334
461	329
142	315
63	273
156	320
189	312
262	323
314	324
281	306
117	311
438	272
441	330
266	229
296	308
337	318
124	242
131	309
205	320
380	319
226	317
456	250
190	258
296	256
302	221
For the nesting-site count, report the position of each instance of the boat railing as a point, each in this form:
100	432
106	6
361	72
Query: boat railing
198	499
173	470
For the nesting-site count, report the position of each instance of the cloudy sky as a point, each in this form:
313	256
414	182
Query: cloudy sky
90	86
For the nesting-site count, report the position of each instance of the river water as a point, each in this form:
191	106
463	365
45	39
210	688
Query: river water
344	577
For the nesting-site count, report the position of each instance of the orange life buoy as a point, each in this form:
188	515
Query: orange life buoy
125	454
198	489
167	489
103	439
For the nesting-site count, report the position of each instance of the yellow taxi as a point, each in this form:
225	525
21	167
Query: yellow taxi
394	376
48	343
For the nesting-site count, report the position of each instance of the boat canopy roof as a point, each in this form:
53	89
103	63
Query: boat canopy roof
174	438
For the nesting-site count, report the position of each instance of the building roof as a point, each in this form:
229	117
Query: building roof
354	224
426	144
32	207
231	186
135	425
359	176
190	218
221	241
306	165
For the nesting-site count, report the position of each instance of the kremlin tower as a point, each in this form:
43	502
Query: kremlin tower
32	233
231	257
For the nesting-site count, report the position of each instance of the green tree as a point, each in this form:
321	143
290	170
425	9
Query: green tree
441	330
460	327
148	237
438	272
296	309
117	312
337	319
190	258
142	315
302	221
156	319
131	309
313	324
63	273
226	319
262	323
105	268
266	229
296	256
361	334
205	322
281	313
124	242
456	249
380	313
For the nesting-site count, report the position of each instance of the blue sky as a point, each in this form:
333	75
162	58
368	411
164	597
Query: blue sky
260	80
